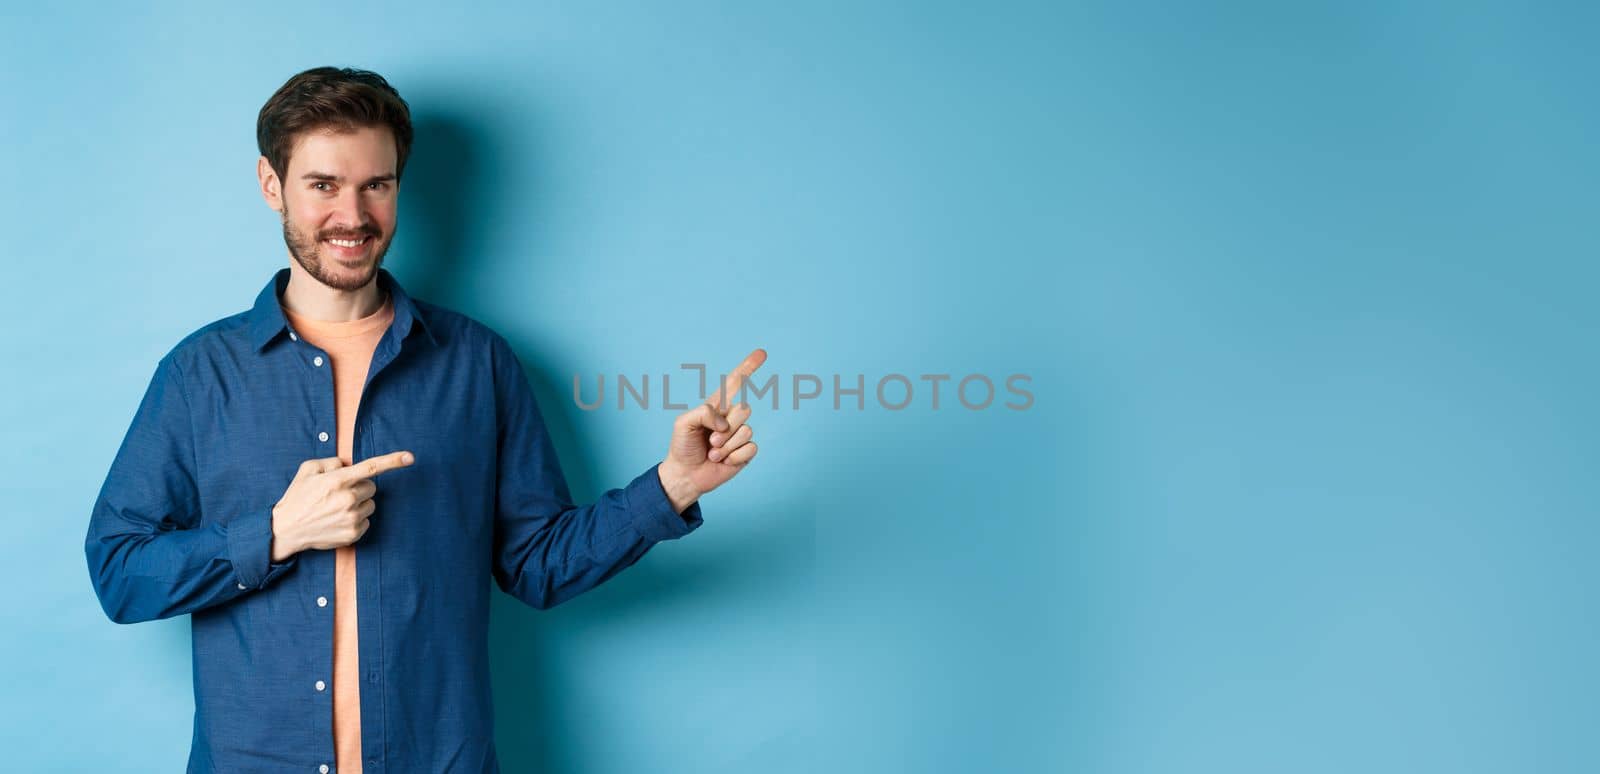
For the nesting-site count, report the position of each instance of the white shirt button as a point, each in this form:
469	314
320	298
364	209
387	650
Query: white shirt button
241	586
323	437
317	361
321	685
323	769
293	337
322	601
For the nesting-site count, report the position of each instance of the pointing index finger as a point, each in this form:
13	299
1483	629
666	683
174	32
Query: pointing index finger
373	466
736	380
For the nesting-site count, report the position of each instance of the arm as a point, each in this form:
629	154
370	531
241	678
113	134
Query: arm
149	556
546	549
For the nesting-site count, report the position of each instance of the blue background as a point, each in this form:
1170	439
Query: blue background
1305	294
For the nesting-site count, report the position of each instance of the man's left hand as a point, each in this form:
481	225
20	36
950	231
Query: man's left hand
710	442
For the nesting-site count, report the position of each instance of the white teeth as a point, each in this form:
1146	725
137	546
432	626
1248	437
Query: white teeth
347	242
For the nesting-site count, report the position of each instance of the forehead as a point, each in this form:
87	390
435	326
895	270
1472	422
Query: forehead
366	151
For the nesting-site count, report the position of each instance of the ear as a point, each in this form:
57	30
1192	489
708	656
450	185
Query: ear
271	186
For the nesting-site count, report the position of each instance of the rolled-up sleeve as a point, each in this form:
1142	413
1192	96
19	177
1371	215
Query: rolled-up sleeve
150	554
546	549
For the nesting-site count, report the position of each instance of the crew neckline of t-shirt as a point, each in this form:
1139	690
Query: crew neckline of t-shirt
342	329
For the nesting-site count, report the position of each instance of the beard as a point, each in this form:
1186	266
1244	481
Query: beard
328	270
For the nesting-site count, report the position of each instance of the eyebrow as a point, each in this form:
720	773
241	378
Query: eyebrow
338	179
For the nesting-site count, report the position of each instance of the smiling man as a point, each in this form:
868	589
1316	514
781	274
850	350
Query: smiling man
340	623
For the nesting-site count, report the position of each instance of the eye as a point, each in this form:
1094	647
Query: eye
319	182
378	186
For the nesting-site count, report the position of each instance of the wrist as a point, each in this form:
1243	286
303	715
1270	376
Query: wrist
676	483
282	547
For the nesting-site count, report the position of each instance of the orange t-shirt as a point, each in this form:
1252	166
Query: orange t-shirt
349	345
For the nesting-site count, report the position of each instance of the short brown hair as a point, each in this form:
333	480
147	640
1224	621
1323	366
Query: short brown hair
343	99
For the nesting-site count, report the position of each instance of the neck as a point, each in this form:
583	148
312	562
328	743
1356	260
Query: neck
304	295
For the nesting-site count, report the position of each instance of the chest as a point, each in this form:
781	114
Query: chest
255	422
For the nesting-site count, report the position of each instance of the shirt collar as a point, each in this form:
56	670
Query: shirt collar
267	320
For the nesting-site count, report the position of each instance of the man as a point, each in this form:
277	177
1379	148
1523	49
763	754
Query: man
340	625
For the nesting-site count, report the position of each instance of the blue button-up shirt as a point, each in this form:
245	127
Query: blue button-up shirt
183	524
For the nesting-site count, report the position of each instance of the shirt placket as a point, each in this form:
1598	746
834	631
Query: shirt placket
318	373
369	571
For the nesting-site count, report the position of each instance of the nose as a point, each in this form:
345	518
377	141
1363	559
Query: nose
349	211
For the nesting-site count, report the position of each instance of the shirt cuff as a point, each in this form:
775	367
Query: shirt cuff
250	549
652	512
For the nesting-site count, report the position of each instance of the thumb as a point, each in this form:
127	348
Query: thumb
701	417
311	468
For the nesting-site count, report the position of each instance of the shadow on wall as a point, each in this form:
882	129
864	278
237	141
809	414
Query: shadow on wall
444	184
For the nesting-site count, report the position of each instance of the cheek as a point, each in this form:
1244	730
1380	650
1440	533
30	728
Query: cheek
383	217
308	215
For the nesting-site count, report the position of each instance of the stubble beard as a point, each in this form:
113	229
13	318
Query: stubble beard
308	253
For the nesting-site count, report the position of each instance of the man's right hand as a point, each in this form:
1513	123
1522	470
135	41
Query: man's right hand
327	503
